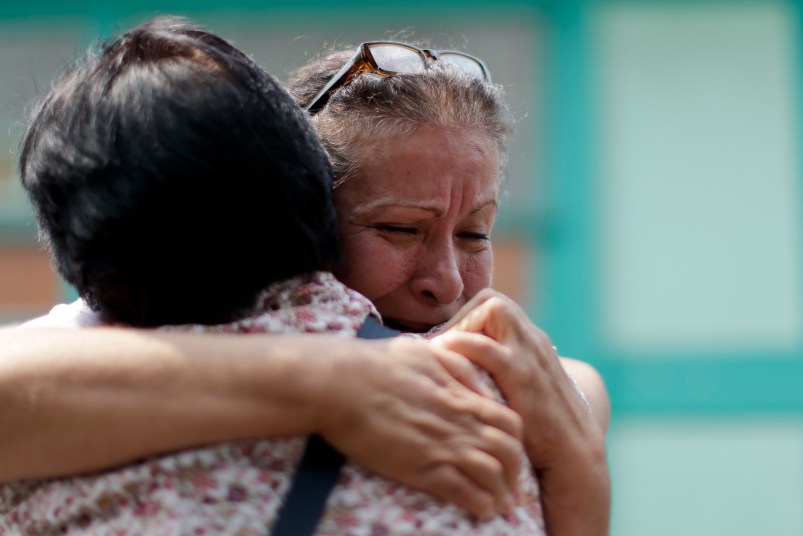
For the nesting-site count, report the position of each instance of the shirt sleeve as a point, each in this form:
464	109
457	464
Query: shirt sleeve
66	315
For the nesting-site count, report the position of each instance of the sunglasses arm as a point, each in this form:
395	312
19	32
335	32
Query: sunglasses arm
322	97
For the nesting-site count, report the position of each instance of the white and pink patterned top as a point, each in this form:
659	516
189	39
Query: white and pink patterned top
236	488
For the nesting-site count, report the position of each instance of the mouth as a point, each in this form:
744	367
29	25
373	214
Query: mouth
406	326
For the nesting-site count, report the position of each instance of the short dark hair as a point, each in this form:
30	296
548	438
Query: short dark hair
173	179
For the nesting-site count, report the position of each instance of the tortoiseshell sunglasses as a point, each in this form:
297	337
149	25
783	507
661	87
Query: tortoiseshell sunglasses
388	58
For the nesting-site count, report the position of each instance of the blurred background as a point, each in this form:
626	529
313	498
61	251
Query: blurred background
652	223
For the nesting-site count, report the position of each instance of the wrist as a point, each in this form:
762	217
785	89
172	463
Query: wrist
325	375
568	433
574	479
576	503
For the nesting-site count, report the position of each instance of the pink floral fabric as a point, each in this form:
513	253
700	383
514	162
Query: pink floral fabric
237	488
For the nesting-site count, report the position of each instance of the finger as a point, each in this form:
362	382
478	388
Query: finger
501	436
499	416
496	356
479	349
490	454
498	317
452	485
478	299
462	370
481	319
491	472
507	450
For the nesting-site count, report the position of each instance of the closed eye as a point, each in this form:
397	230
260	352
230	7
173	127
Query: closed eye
397	229
475	236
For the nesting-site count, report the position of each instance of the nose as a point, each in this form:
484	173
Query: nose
438	278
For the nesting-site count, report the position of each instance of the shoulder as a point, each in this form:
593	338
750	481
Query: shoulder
309	303
592	387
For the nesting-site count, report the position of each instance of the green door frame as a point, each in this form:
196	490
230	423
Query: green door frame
663	382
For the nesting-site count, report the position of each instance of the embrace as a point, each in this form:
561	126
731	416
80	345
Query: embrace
228	237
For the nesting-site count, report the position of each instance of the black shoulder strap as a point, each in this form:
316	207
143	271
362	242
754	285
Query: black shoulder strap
315	478
319	470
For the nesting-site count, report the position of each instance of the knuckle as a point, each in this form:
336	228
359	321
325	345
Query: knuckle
542	337
488	292
516	449
462	364
497	304
515	423
495	467
466	495
447	485
484	466
486	348
507	447
462	484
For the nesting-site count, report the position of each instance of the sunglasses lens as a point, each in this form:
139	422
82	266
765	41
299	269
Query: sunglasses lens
464	63
397	59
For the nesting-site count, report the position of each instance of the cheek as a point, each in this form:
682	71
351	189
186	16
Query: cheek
476	272
371	266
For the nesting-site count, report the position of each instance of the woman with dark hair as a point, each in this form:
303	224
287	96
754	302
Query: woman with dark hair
418	157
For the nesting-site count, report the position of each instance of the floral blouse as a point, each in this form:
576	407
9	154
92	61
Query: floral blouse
236	488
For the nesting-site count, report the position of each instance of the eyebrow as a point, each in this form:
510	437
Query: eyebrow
480	208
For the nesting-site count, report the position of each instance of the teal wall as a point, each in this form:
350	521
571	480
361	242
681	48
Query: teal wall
656	177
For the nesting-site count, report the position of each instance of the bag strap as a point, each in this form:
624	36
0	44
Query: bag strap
315	478
319	470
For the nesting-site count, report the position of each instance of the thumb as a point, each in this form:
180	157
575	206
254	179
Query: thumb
487	318
478	299
461	369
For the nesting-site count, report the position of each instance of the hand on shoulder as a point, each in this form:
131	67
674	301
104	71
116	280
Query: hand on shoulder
417	414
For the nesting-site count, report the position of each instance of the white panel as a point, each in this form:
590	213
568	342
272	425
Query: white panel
700	200
702	478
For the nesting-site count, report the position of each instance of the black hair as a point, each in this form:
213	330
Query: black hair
173	179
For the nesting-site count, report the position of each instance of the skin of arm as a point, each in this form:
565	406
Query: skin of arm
81	400
564	437
592	385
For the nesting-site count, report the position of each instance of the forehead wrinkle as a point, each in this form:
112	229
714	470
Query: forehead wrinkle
392	202
370	206
490	202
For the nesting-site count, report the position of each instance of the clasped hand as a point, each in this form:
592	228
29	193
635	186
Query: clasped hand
452	439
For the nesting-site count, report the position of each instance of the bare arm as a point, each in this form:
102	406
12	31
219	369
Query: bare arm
83	400
564	437
593	387
78	400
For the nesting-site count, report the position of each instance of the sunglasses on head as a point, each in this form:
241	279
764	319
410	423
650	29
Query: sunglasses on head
388	58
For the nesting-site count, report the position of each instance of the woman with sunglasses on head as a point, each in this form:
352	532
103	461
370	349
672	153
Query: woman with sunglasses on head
418	152
417	141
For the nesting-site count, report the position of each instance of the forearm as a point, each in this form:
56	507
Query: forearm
576	499
573	473
81	400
